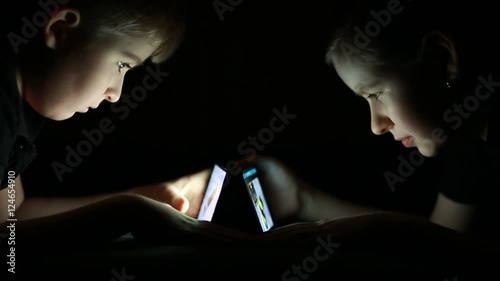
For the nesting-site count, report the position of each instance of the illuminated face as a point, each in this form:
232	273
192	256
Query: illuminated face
410	107
84	77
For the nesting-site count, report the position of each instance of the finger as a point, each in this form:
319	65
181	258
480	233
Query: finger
264	163
196	181
173	197
177	200
181	203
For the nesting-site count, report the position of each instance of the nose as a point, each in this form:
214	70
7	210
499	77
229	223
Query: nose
380	122
114	90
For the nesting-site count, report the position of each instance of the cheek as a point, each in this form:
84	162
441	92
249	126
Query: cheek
92	77
420	125
409	120
96	86
94	83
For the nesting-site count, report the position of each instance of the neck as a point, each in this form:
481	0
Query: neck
19	80
476	126
484	131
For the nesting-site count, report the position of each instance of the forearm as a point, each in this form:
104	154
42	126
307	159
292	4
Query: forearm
396	229
100	222
454	215
41	207
319	205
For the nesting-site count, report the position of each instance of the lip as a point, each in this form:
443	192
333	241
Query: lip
407	141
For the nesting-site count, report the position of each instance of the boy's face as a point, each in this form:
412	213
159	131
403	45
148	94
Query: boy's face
82	78
402	104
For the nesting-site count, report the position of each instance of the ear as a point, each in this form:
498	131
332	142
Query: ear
59	25
439	49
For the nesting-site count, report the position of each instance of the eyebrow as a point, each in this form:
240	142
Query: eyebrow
360	87
133	57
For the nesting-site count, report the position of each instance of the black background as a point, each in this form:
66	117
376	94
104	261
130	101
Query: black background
225	81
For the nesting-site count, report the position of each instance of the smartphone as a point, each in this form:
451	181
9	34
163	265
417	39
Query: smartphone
258	199
212	193
236	200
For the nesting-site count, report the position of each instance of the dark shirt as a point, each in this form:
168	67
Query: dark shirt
471	173
19	125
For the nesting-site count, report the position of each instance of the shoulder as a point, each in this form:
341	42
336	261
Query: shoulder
10	100
462	172
494	119
469	163
10	113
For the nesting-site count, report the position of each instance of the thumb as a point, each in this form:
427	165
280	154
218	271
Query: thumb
175	198
180	203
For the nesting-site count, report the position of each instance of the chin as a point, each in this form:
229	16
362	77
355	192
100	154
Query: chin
427	153
60	117
50	114
429	150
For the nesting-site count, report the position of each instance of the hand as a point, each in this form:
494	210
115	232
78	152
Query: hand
184	194
284	190
161	223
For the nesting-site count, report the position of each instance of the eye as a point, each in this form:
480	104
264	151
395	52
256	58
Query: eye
374	96
122	65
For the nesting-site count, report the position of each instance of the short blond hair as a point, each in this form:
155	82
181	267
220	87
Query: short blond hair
161	22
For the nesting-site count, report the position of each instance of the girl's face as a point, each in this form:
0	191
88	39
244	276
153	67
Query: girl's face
408	104
82	78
